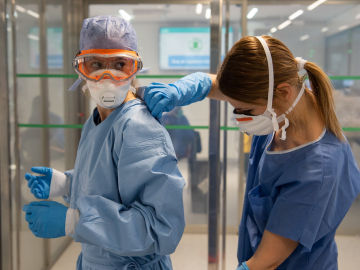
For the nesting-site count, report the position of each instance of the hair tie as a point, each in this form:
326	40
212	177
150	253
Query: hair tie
300	63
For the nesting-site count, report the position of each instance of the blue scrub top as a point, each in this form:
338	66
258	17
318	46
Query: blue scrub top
128	189
301	194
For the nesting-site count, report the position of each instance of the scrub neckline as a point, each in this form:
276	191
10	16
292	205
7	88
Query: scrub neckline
114	112
292	149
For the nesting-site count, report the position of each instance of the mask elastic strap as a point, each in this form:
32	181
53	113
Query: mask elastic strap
269	107
300	63
283	116
297	99
274	119
283	129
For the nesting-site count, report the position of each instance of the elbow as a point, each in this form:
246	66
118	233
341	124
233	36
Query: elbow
253	263
169	242
273	265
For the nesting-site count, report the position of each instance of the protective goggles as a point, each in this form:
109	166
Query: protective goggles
98	64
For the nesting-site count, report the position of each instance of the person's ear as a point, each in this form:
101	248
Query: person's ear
284	91
282	96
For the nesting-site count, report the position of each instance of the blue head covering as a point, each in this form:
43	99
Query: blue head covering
107	32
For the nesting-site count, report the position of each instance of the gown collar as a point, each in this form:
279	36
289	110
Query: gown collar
96	120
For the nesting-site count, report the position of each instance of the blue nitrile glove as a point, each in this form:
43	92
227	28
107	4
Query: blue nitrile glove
46	218
161	97
243	266
50	183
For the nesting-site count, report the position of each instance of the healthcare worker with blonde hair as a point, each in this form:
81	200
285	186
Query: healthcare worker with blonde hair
125	191
302	176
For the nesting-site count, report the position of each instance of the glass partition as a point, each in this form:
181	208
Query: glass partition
40	102
174	40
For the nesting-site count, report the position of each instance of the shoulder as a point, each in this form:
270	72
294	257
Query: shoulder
323	161
336	154
139	126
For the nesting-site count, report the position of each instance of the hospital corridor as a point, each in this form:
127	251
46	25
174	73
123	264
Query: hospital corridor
180	134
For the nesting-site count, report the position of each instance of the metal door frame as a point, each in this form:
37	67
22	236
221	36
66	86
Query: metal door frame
5	176
73	16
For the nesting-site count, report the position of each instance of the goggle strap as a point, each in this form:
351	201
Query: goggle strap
76	84
107	51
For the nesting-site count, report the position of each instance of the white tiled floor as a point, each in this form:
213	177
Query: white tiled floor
191	254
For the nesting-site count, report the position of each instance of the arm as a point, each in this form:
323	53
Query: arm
273	250
48	183
161	97
215	92
150	217
298	217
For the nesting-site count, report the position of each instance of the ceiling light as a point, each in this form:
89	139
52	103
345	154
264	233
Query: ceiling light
324	29
273	30
357	17
304	37
316	4
126	16
296	14
32	13
252	13
198	9
20	9
208	13
284	24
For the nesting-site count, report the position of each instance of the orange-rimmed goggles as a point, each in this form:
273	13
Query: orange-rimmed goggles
98	64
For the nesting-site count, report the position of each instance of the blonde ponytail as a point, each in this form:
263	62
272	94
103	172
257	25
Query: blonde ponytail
323	92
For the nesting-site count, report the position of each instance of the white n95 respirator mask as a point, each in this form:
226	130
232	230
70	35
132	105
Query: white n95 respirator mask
254	125
267	122
107	93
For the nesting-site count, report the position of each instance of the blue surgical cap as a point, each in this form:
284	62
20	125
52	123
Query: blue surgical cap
107	32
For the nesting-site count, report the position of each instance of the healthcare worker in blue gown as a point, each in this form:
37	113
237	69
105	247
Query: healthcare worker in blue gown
125	191
302	176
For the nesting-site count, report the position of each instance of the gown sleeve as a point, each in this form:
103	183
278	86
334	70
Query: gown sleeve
69	178
150	217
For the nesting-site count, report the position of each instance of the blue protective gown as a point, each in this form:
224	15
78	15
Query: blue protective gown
128	189
301	194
